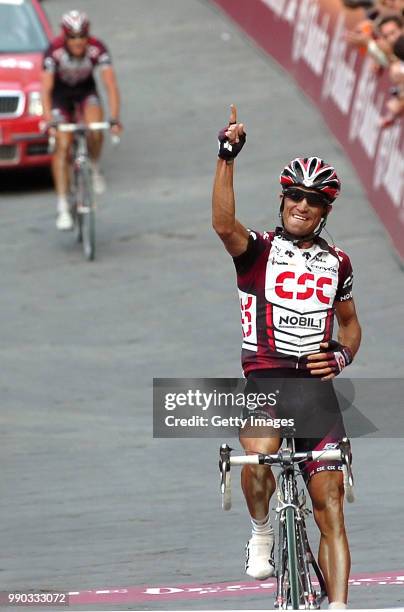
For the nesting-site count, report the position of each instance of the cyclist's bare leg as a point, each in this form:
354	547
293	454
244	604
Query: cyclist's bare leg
258	484
60	163
327	493
257	481
94	113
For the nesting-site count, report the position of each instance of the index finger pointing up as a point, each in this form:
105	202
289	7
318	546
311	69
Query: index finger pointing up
233	114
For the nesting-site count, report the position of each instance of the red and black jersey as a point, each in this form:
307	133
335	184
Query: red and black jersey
75	74
287	299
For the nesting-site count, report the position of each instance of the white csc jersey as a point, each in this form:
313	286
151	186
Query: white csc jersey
287	299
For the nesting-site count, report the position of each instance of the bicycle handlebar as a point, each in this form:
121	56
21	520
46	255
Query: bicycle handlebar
95	126
83	127
68	127
285	458
278	459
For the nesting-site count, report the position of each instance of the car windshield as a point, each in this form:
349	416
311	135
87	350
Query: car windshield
20	28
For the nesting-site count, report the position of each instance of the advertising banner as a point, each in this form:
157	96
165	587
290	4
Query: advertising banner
307	37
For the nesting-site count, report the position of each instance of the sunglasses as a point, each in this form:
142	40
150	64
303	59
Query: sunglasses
74	36
312	198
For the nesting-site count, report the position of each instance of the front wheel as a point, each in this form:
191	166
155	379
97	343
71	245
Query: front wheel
88	234
292	562
87	216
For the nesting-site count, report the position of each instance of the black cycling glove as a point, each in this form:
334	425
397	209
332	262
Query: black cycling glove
338	356
229	151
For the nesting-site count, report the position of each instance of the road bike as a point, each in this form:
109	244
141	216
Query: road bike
297	568
82	202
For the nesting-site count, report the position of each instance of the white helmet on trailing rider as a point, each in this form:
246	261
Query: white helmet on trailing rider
75	23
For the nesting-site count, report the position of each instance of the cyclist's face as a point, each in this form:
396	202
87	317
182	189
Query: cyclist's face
77	45
302	218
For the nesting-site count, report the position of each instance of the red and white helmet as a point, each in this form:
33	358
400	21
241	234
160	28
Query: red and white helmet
74	23
313	173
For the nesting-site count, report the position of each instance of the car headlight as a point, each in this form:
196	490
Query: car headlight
35	107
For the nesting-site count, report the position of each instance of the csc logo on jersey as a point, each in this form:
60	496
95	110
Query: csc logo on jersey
289	286
248	306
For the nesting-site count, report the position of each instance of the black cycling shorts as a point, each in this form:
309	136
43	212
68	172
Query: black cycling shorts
296	404
68	105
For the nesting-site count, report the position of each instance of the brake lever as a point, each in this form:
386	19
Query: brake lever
225	480
346	458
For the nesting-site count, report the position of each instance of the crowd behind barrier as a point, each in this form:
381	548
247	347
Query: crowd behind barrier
348	56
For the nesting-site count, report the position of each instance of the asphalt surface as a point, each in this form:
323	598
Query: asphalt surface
88	498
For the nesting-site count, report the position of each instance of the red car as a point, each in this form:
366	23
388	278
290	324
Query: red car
25	33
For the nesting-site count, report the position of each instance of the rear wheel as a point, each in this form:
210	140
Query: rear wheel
76	197
79	229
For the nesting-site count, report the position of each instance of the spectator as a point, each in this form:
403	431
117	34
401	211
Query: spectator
395	104
398	48
378	38
384	7
391	39
389	29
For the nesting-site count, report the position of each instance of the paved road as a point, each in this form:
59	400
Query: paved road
88	498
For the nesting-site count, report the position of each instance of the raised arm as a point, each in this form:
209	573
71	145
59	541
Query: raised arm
232	233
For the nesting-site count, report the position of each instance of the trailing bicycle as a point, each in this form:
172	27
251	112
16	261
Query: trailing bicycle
82	203
296	564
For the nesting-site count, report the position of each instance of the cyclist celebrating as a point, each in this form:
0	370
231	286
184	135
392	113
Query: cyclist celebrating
69	93
291	283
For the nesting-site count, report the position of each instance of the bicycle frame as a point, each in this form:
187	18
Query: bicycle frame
83	206
83	211
293	545
296	561
83	197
